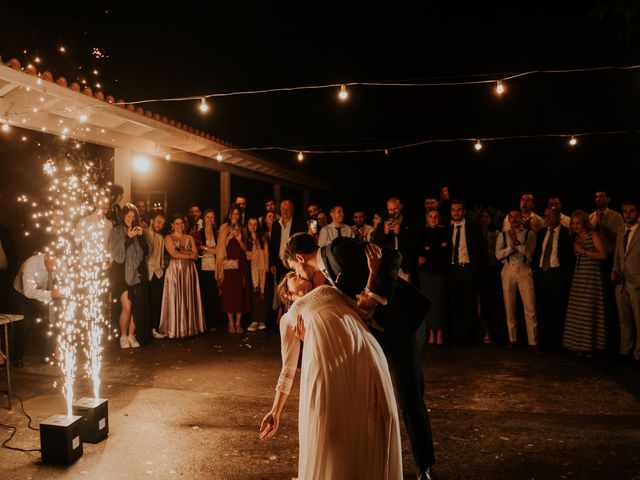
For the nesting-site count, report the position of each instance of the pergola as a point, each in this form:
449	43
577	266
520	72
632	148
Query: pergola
33	100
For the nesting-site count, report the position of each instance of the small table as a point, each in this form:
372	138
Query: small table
6	319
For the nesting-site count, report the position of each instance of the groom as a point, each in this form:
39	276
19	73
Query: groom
397	309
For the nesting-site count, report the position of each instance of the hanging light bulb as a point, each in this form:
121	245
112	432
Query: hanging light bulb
573	141
343	95
84	118
167	156
499	88
386	152
478	146
300	156
219	157
5	127
204	106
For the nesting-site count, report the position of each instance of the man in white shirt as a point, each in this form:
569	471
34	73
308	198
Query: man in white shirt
514	249
92	231
337	228
34	285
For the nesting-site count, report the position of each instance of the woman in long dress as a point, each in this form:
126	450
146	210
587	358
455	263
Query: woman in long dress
584	326
348	419
182	314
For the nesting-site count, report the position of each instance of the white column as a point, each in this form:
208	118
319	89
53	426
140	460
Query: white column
225	194
122	171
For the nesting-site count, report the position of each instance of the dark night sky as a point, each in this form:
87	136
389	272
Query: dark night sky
165	52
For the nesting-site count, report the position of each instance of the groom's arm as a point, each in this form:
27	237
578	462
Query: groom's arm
384	284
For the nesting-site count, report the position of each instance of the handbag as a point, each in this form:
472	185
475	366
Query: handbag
230	264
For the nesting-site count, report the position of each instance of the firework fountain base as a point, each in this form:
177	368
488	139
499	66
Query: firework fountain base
94	426
60	440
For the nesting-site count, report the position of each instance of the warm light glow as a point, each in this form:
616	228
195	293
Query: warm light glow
167	157
84	117
499	88
300	156
5	127
478	146
62	49
386	152
219	157
343	95
95	72
36	60
573	141
204	106
141	164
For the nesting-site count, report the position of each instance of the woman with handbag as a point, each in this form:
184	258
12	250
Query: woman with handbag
232	270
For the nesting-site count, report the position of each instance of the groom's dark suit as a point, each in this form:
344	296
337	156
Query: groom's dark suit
346	265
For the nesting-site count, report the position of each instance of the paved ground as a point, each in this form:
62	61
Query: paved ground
190	409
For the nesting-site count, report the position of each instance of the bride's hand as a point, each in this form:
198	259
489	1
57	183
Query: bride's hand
269	426
298	328
374	257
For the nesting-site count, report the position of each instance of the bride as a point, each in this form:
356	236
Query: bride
348	420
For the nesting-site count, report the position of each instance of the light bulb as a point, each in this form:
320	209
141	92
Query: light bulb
478	146
499	88
84	118
204	106
573	141
5	127
141	164
219	157
167	157
386	152
300	156
343	95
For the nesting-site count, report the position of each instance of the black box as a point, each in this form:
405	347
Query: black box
95	418
60	440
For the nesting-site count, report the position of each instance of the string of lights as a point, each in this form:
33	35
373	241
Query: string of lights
498	79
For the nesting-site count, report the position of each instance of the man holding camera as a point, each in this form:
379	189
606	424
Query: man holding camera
399	234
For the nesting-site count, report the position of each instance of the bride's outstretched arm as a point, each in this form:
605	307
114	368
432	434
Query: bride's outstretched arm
290	348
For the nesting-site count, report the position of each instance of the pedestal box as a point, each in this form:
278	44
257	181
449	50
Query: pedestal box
60	440
94	426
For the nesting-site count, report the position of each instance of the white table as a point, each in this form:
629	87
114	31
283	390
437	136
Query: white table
6	319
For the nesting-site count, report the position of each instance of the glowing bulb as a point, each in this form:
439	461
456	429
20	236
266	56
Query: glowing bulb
36	60
300	156
62	49
204	106
5	127
573	141
84	117
343	95
95	72
478	146
499	88
141	164
386	152
219	157
24	139
167	157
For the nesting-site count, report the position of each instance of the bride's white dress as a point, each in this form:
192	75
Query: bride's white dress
348	420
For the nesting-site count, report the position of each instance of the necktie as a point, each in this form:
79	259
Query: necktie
546	256
456	245
626	238
339	231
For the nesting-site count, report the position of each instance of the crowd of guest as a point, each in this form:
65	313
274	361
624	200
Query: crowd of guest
551	281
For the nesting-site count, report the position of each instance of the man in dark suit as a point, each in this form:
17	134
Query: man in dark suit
552	261
398	233
397	309
468	261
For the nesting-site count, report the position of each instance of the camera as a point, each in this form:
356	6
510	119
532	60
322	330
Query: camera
313	226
